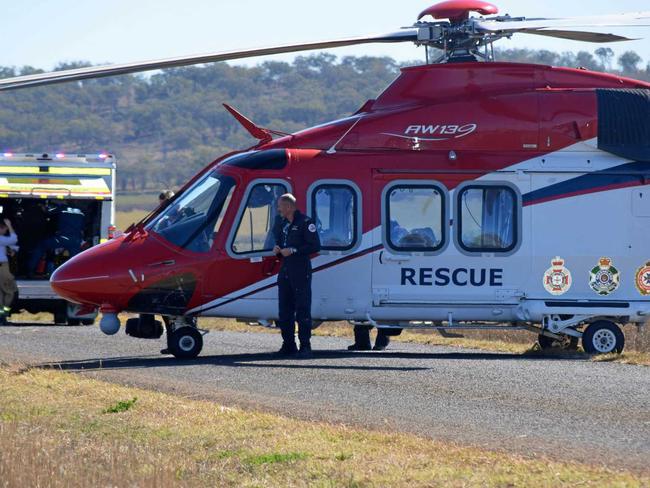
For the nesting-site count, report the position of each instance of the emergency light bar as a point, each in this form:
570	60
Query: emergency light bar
58	156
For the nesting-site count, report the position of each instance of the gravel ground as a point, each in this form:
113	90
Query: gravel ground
569	409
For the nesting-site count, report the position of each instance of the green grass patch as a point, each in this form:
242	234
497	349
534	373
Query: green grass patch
121	406
274	458
343	456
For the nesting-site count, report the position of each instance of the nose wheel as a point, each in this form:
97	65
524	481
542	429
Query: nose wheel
185	343
184	340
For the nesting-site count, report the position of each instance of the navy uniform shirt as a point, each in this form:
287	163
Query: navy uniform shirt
301	235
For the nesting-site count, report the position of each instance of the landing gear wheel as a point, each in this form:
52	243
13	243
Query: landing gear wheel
568	343
603	337
185	343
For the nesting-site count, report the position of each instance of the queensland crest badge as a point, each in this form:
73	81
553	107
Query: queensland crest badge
604	278
557	279
642	280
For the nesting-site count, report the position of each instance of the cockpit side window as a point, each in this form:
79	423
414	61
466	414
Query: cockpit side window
192	221
335	207
254	233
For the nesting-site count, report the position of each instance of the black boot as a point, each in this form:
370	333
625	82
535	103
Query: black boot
305	351
287	349
361	339
382	341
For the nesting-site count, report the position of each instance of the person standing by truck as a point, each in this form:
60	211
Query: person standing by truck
68	235
8	238
32	225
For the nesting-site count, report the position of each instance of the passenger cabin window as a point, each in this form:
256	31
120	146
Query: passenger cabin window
487	218
335	212
192	221
255	229
415	216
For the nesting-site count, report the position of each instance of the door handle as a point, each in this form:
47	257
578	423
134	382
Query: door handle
396	259
168	262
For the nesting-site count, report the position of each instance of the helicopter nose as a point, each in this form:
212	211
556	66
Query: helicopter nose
87	279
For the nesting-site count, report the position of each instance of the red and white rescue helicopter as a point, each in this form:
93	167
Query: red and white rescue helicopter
470	193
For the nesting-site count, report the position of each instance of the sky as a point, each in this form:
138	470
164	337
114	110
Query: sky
42	33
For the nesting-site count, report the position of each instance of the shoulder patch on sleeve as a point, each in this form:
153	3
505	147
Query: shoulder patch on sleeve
312	228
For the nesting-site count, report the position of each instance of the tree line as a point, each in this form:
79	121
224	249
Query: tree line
165	127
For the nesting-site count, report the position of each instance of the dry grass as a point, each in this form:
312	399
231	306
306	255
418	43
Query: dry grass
628	357
36	318
143	200
54	431
124	219
38	455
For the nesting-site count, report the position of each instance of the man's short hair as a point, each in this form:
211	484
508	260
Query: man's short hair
289	198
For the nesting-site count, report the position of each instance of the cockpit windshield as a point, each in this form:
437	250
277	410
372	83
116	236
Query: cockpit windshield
193	220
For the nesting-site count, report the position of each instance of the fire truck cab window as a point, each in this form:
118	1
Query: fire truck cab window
192	220
334	208
255	228
415	214
487	218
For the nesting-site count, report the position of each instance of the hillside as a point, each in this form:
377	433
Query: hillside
165	127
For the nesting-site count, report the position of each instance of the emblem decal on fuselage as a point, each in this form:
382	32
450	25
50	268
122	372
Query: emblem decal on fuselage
642	279
557	279
604	278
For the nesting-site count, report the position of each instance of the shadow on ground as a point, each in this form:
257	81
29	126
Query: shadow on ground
323	360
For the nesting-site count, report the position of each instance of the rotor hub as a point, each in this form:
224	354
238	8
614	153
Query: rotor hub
458	10
454	32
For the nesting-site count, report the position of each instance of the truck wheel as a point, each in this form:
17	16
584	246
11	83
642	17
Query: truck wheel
88	321
603	337
185	343
74	322
568	343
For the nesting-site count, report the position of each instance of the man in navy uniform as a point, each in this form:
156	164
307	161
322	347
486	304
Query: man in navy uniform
296	239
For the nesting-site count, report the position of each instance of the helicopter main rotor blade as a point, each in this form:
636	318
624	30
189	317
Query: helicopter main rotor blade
507	24
576	35
127	68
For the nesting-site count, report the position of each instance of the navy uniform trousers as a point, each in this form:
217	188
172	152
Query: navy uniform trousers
294	295
294	279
